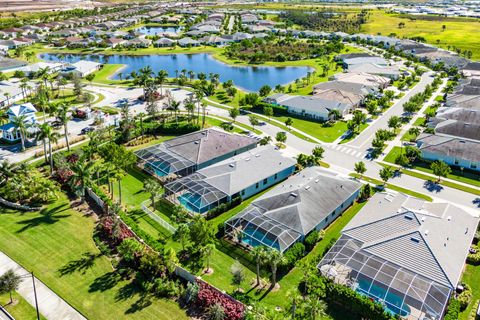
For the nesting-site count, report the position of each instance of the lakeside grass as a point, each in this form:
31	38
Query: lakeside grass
55	243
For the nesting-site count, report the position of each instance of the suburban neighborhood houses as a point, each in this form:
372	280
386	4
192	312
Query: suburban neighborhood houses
236	160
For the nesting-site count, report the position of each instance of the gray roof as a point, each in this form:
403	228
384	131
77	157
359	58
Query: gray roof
313	104
205	145
464	115
463	101
459	129
450	147
239	172
356	88
305	199
7	63
352	55
430	239
363	60
472	66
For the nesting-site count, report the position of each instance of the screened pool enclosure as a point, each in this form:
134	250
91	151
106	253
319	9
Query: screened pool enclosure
159	161
253	228
401	291
194	193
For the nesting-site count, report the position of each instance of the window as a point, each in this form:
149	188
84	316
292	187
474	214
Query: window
456	161
275	176
473	166
341	206
265	181
243	192
326	219
256	185
333	213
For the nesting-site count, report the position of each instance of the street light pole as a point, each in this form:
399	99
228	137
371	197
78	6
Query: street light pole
35	293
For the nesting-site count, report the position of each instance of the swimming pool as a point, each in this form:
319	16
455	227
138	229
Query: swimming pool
392	302
251	234
188	199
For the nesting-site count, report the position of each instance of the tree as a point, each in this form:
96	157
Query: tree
366	192
234	113
268	111
258	254
334	114
281	137
440	169
394	123
274	258
83	172
386	174
161	78
154	188
182	233
64	118
253	121
207	252
265	140
295	299
317	153
9	282
316	308
264	90
289	122
413	132
90	77
238	274
412	153
130	249
360	168
21	126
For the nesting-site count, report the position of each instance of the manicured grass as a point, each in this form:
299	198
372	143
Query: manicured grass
465	177
316	129
460	32
57	245
108	70
394	187
471	276
20	309
350	137
419	122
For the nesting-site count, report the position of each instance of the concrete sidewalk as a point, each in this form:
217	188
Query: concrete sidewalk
51	306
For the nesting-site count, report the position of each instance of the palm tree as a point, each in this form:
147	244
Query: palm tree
20	124
295	297
317	308
161	78
334	114
153	187
175	107
199	94
204	110
7	95
44	130
207	253
52	138
258	254
64	117
82	176
7	171
275	258
182	233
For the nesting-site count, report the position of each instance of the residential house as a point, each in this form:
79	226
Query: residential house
240	176
82	68
392	72
356	88
164	42
188	42
308	106
9	131
7	64
471	69
406	253
372	60
310	200
138	43
345	97
374	81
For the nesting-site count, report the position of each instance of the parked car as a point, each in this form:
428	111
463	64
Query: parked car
87	130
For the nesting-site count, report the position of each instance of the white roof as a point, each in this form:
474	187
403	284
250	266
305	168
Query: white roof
84	66
21	109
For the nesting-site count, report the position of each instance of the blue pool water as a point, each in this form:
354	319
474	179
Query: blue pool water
250	78
151	31
250	234
393	303
187	199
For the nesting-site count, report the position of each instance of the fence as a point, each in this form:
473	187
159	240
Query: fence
158	219
5	313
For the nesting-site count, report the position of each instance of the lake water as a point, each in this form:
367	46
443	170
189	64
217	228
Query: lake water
151	31
250	78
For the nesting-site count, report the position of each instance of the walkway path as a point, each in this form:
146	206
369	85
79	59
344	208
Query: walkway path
50	305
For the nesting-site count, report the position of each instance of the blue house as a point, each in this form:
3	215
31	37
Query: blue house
241	176
8	131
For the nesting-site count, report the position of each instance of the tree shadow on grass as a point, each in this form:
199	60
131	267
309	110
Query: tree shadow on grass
105	282
80	265
131	290
47	216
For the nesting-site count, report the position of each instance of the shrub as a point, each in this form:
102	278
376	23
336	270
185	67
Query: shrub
453	310
166	288
224	207
208	296
294	253
311	240
465	297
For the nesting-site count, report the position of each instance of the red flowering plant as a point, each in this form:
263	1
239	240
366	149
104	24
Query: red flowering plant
208	295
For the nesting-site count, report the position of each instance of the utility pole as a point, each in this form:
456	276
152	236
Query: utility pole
35	293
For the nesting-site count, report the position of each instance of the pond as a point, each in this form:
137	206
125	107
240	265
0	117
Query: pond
249	78
152	31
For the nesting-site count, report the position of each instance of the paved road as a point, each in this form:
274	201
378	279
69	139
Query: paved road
50	305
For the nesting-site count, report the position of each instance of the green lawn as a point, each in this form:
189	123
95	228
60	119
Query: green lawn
57	245
394	187
318	130
20	309
471	276
465	177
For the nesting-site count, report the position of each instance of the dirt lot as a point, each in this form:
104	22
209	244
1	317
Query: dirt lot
46	5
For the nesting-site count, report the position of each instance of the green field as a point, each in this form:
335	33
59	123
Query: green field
459	32
57	245
20	309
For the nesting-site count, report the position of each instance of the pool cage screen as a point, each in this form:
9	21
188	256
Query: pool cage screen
159	161
401	291
254	228
194	193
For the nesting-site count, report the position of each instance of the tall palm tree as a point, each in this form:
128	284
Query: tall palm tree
7	170
258	254
275	258
204	111
7	95
64	117
199	94
153	187
21	125
175	107
52	138
44	131
161	78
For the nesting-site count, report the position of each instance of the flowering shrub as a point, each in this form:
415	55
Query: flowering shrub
115	231
208	296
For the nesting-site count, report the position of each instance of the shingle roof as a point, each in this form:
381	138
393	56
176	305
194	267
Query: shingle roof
450	147
459	129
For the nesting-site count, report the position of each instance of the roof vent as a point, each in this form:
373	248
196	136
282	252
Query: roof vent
408	217
427	232
231	165
307	187
415	240
316	180
257	155
293	194
449	218
423	219
247	159
196	142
